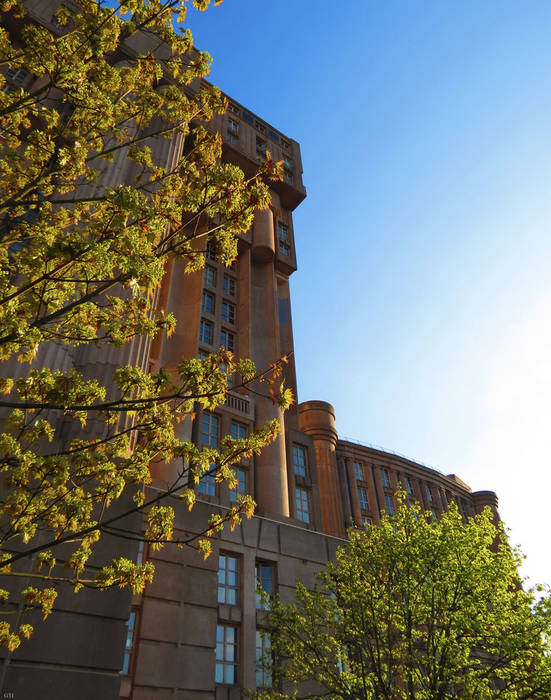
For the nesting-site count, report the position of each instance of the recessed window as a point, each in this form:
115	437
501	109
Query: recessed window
284	249
389	504
287	163
273	135
259	126
205	332
408	486
260	146
299	460
362	498
202	354
210	251
285	144
209	276
241	488
17	75
263	660
385	479
229	285
247	117
207	484
265	579
282	231
233	131
358	471
209	430
228	312
226	654
227	339
129	642
429	493
207	303
233	109
302	504
238	431
227	579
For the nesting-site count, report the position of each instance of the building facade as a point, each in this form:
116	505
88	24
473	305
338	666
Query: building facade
195	631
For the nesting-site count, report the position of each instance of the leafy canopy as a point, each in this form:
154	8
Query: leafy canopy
94	93
416	608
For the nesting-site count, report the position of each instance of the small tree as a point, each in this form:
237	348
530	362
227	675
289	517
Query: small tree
80	264
415	608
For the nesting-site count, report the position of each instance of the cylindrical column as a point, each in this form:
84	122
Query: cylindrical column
317	419
263	249
481	499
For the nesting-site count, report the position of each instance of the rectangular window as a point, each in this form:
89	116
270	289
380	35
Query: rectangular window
389	504
17	75
209	276
207	484
238	431
272	134
233	127
229	286
287	163
429	493
207	303
284	248
205	332
385	479
260	146
129	643
358	471
285	144
226	654
209	430
228	312
282	231
241	488
259	126
227	579
247	117
263	660
362	498
265	579
227	339
408	486
303	509
210	251
299	460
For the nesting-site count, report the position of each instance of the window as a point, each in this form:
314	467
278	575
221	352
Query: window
226	654
263	660
229	285
265	579
17	75
227	339
303	510
389	504
362	498
260	146
241	488
205	332
228	312
233	109
282	231
209	276
207	303
429	493
210	251
284	248
248	117
259	126
287	163
285	144
207	484
233	127
358	471
299	460
408	486
366	522
202	354
273	135
385	479
227	579
129	643
238	431
209	430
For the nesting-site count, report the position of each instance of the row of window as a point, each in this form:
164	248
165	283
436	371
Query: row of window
258	125
208	306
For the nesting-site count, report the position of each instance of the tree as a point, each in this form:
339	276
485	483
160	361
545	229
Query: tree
416	608
80	267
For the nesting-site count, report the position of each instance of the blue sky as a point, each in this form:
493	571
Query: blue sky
421	303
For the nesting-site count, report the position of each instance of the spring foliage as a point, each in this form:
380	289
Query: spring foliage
81	264
416	608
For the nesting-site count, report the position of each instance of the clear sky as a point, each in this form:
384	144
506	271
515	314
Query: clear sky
421	306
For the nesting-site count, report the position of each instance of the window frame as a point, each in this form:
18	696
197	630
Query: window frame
225	587
229	285
221	660
363	499
227	339
228	312
302	504
385	477
212	429
208	299
358	471
259	567
209	276
206	331
300	469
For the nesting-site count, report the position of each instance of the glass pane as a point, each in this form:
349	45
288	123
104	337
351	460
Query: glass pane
231	597
230	634
230	652
229	674
231	578
221	595
232	563
219	675
219	633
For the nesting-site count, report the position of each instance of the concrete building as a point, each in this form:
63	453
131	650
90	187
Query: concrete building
194	633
